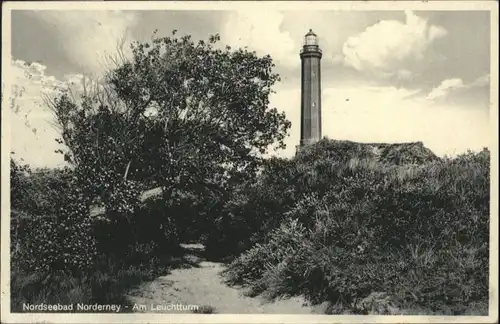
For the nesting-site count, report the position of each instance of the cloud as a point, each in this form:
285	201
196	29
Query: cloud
281	33
445	88
260	31
89	36
451	85
31	120
482	81
390	45
403	74
391	115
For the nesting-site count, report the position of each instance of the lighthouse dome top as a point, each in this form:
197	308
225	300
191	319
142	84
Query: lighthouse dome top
311	38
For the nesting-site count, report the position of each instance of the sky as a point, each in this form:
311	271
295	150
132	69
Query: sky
387	76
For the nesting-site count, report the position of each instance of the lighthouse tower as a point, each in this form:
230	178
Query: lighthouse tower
310	55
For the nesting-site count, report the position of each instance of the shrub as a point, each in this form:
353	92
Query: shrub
61	242
366	226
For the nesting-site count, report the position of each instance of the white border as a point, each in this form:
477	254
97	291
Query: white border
8	317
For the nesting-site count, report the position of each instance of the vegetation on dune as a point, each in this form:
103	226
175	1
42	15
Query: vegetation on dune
368	228
417	234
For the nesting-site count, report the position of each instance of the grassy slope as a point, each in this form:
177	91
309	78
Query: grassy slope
377	228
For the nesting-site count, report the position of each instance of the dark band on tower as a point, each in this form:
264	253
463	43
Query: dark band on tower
310	55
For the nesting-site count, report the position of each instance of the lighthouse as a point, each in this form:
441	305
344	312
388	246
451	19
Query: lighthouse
310	55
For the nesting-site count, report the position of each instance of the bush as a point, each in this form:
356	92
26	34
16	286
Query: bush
366	226
284	241
60	254
50	227
61	242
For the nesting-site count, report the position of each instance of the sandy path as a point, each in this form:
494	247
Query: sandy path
202	285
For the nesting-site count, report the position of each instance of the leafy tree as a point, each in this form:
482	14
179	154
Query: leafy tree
208	110
190	117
